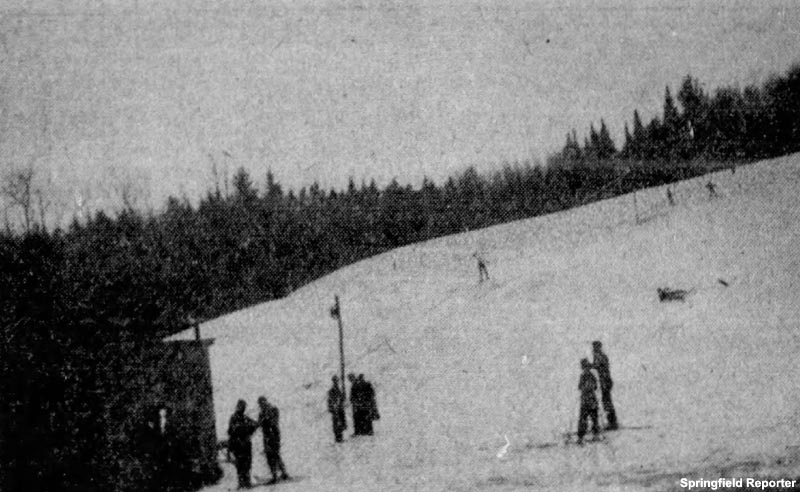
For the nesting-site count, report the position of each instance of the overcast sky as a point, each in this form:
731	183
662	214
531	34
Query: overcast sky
101	95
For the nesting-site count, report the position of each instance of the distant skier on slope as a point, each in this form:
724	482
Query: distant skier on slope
587	385
483	272
601	365
712	189
336	409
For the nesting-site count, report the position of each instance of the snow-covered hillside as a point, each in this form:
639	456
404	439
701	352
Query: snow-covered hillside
710	384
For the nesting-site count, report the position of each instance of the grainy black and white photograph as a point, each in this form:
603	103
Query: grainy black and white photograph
383	245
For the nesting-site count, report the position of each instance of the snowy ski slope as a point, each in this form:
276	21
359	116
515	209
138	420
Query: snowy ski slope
711	383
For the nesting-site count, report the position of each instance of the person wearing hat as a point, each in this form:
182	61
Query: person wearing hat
336	409
271	432
601	365
587	385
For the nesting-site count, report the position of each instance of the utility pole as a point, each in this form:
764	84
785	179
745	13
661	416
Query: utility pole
336	312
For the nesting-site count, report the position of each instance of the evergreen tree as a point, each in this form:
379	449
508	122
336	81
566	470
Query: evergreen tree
274	192
243	188
626	147
695	108
672	128
605	145
638	142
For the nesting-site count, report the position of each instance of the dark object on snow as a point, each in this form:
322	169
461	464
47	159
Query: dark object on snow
270	429
666	295
601	365
336	409
240	429
726	284
670	198
587	386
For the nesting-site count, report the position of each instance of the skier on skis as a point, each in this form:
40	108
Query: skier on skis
601	365
271	432
712	189
587	384
483	272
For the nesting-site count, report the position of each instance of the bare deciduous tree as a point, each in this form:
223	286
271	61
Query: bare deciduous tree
17	187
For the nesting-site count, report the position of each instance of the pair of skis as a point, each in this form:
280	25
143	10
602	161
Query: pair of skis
572	437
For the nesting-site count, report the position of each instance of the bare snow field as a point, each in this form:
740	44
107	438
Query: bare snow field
708	387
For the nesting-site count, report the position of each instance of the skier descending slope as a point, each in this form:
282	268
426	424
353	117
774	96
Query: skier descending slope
483	272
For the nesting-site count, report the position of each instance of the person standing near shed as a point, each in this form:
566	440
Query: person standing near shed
268	419
601	365
240	429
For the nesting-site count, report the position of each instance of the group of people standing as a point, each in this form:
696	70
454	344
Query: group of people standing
241	428
365	410
587	385
362	402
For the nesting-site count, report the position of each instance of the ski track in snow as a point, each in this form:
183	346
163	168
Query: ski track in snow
715	376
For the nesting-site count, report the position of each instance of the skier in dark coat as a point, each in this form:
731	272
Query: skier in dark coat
369	405
336	409
240	429
357	404
268	419
601	365
587	386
